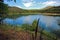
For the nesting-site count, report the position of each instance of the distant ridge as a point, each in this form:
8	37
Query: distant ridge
49	9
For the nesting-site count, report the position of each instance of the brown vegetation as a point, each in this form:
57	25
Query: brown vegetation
14	35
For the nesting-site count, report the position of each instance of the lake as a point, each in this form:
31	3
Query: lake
44	22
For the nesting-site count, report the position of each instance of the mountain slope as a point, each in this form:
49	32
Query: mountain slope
15	10
55	9
49	9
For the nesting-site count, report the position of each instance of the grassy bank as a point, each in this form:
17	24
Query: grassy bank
13	32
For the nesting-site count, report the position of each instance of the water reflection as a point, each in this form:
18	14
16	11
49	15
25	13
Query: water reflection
45	21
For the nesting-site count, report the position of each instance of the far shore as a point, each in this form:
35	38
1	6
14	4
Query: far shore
15	15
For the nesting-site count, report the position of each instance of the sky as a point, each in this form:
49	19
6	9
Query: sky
33	4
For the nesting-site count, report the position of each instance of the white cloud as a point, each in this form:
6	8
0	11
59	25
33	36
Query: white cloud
49	2
28	4
27	0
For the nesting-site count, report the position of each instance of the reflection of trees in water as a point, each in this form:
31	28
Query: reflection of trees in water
3	11
58	21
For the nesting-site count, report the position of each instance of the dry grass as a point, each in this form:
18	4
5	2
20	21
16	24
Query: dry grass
15	35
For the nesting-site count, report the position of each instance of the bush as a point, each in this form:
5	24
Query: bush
3	11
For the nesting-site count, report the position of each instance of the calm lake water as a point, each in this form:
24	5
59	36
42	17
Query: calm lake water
45	21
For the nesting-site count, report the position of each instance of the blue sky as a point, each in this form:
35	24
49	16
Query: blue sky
33	4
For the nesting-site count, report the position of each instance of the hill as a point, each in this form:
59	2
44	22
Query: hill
15	10
50	10
54	9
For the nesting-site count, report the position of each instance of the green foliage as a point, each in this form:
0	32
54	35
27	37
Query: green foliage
48	34
3	11
34	24
57	33
25	26
29	27
7	0
3	8
5	27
